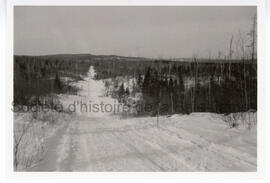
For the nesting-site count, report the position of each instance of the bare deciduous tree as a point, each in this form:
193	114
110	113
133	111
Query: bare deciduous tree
18	137
253	36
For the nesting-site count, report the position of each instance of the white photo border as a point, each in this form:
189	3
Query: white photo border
261	15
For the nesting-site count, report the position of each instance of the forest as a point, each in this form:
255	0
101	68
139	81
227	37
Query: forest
220	86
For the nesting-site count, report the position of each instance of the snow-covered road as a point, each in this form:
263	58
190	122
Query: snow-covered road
105	142
95	144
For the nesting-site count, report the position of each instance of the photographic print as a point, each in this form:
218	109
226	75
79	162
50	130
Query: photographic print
135	88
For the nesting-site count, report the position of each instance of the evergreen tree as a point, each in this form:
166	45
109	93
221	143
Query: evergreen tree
121	92
146	82
127	92
139	81
57	83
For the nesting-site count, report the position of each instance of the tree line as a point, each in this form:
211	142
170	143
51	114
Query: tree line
197	87
36	77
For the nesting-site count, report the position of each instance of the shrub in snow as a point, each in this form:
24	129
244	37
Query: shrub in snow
244	120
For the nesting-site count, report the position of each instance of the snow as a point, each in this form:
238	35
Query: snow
90	92
102	141
180	143
32	133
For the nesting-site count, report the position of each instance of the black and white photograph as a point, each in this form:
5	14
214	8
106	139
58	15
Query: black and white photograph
135	88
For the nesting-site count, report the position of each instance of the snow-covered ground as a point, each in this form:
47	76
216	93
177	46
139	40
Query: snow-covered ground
32	131
103	141
88	100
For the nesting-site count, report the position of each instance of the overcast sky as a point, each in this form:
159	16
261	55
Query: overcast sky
166	32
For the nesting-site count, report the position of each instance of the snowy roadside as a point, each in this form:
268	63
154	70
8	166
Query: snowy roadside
31	133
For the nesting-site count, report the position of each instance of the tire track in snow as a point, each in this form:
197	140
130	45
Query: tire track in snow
228	154
165	160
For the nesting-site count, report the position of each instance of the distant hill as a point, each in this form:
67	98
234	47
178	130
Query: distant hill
125	58
86	56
